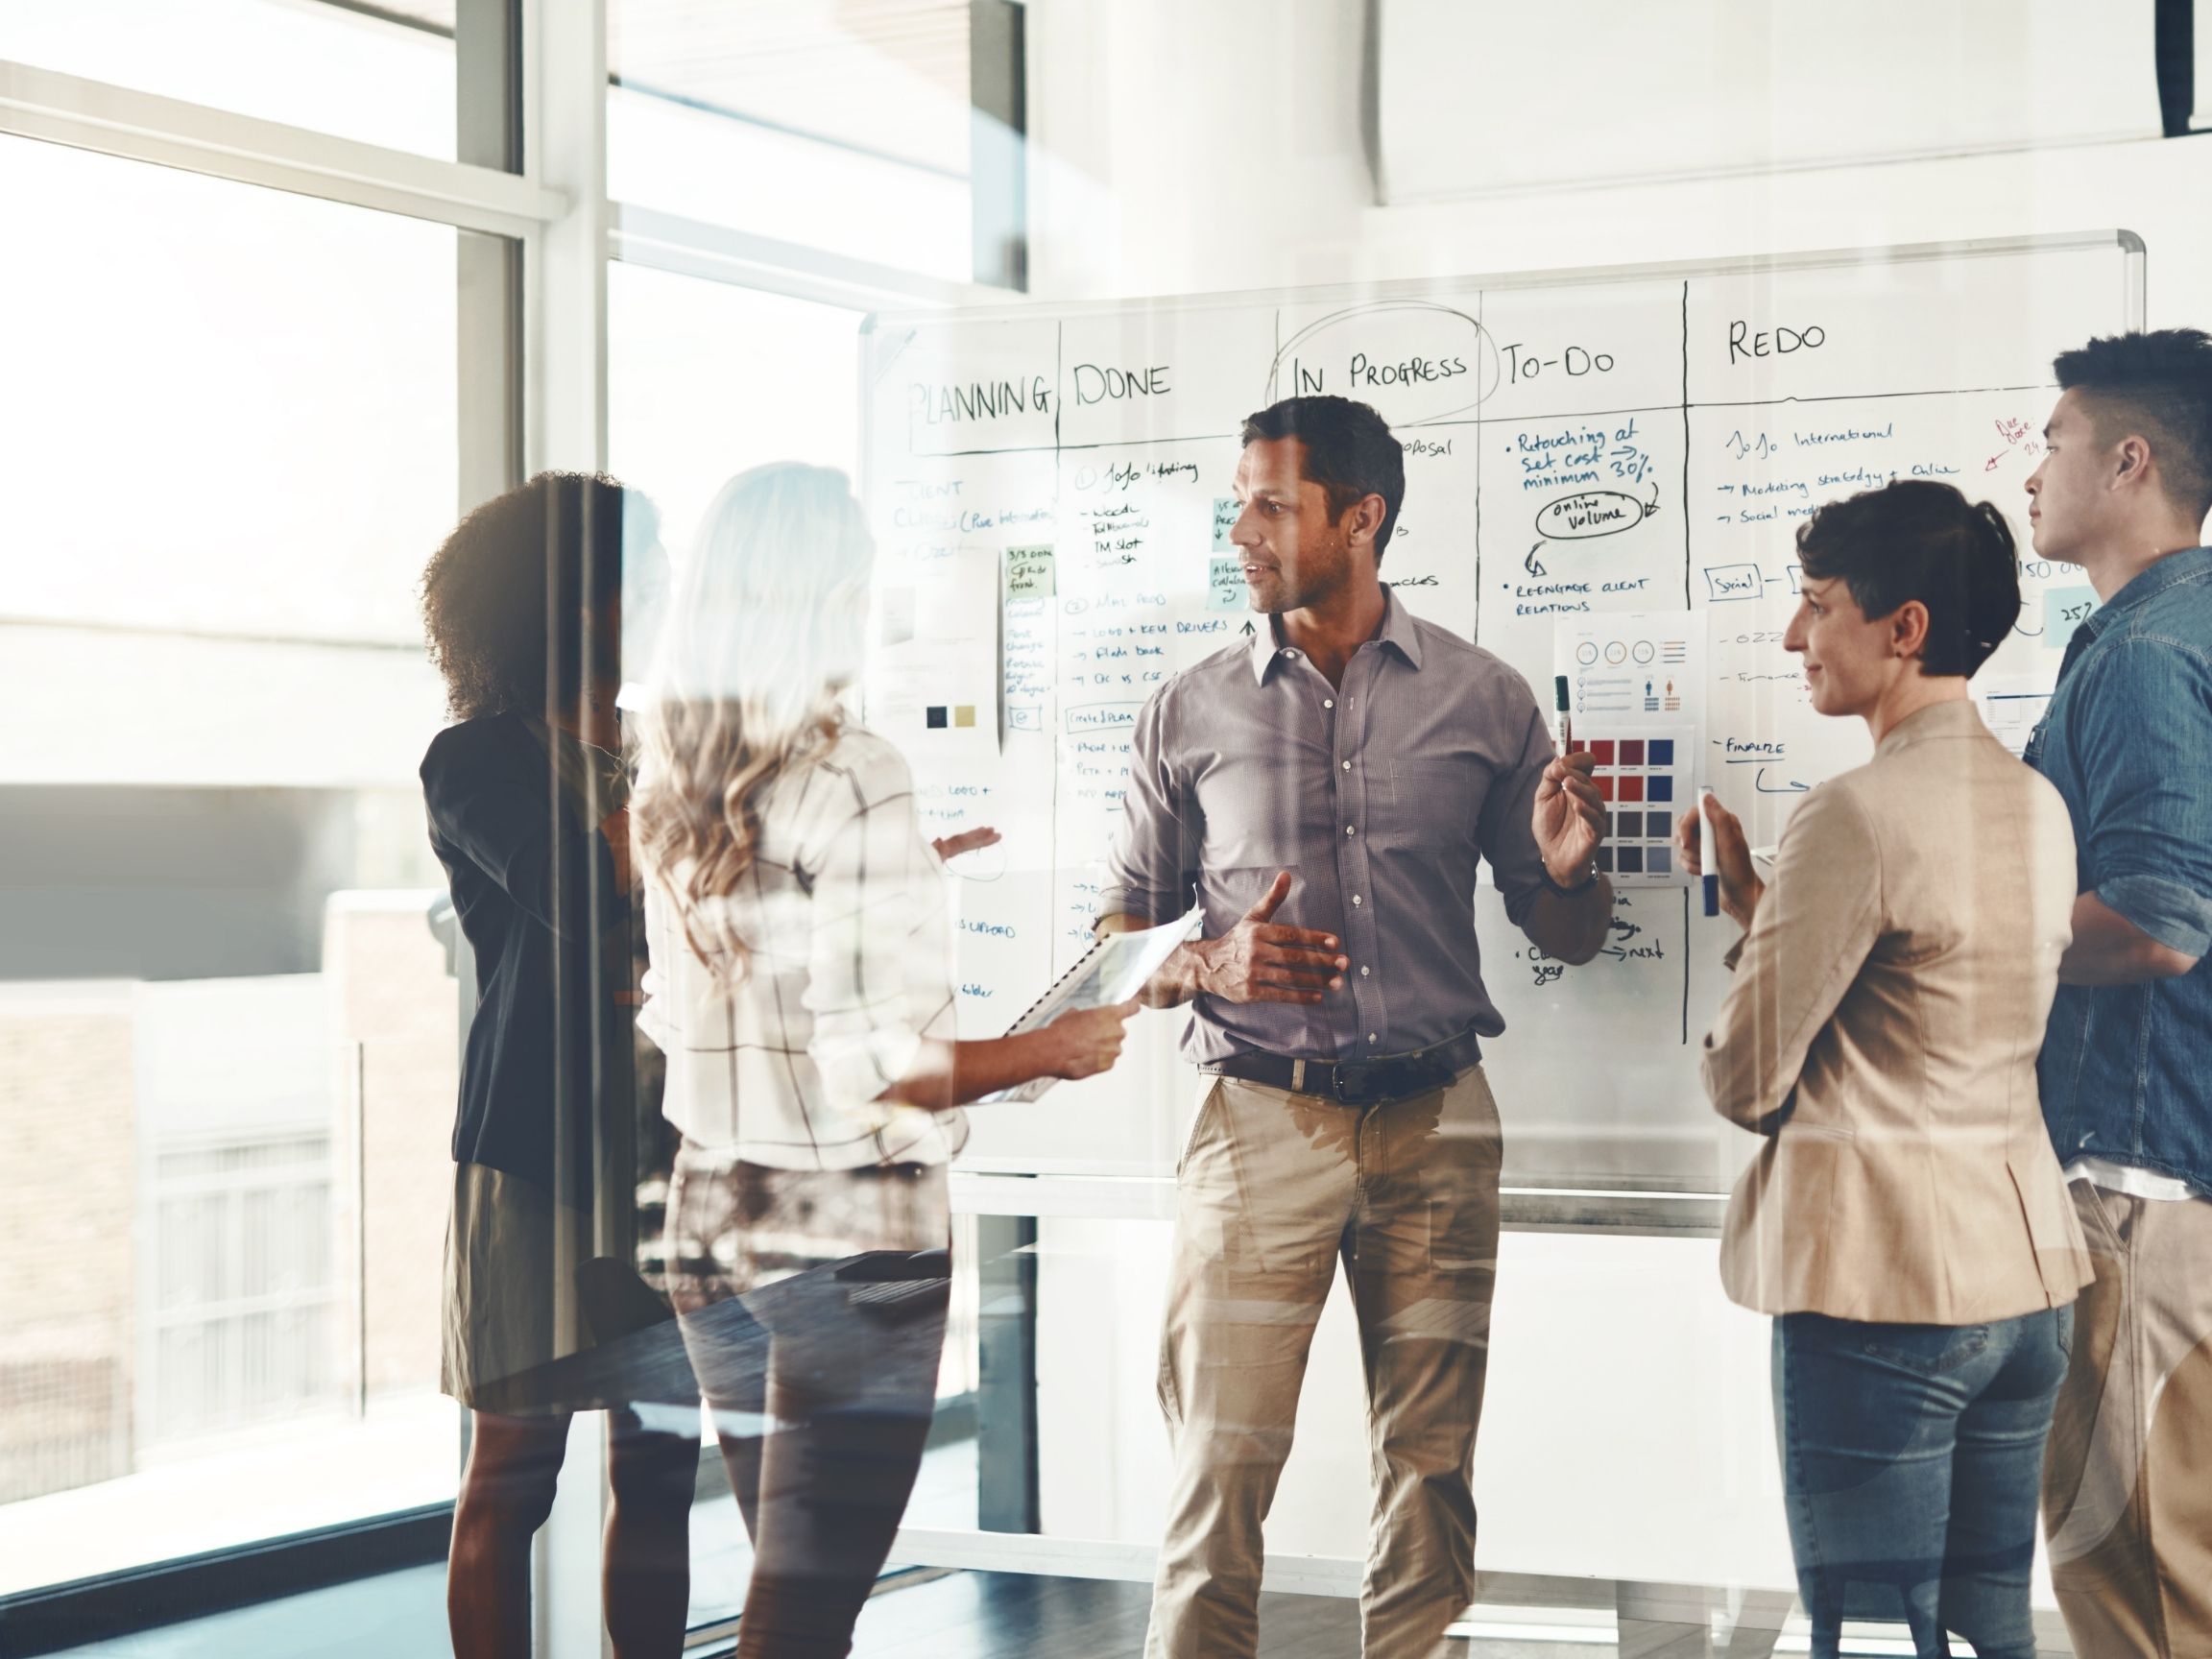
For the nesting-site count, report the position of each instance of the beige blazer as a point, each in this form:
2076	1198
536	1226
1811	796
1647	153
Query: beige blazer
1881	1032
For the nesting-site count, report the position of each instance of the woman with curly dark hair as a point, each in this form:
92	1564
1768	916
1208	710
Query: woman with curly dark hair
525	794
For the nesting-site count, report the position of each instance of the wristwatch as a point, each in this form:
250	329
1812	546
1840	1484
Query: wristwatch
1588	881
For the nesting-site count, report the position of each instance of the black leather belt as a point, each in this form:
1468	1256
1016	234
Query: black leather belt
1358	1082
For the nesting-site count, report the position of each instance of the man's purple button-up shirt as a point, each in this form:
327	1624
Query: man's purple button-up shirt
1378	797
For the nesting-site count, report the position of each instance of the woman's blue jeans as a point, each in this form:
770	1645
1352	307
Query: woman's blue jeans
1912	1455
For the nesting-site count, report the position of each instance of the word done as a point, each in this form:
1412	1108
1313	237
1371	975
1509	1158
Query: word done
1106	384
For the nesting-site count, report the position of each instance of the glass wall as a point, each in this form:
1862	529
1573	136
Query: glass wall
845	130
1632	307
230	1018
382	74
237	436
704	379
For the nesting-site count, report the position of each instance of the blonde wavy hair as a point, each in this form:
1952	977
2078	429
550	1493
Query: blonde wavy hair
765	625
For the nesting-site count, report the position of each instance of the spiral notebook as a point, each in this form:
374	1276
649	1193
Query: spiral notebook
1114	970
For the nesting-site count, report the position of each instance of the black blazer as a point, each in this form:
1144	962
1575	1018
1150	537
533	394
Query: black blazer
534	888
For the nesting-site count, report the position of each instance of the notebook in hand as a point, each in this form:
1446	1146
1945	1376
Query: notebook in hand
1114	970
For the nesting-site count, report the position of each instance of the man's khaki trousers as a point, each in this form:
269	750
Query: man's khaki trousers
1274	1188
2128	1479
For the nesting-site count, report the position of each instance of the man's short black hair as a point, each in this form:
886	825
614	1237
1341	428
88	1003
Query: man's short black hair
2157	386
1920	539
1349	452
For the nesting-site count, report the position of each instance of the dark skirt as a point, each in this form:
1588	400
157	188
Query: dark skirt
509	1251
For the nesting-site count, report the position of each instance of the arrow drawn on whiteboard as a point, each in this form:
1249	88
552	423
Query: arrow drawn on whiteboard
1533	564
1790	787
1652	506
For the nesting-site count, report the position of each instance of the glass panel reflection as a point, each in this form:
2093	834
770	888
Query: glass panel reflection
228	1028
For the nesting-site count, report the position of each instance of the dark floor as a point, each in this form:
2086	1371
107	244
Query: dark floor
393	1615
1021	1616
962	1616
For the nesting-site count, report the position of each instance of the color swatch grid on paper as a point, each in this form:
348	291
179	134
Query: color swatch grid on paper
1644	782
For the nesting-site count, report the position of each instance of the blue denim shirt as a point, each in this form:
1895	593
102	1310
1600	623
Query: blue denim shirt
2126	1069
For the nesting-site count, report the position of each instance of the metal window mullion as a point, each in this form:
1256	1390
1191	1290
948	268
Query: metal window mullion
119	121
998	142
563	404
489	55
564	264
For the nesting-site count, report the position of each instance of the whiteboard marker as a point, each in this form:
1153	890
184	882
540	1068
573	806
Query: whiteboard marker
1705	857
1561	702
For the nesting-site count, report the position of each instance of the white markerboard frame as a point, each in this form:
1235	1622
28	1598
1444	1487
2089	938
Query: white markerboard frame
1584	1199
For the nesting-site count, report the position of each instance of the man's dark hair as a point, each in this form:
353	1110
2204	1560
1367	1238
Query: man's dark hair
2157	386
503	599
1349	452
1920	539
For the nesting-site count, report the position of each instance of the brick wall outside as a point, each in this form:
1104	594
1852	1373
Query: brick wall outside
392	995
67	1191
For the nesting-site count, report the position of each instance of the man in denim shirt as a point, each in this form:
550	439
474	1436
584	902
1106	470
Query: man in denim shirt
2126	1064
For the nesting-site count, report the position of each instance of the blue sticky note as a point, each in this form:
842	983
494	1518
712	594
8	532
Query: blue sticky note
2064	610
2067	608
1225	589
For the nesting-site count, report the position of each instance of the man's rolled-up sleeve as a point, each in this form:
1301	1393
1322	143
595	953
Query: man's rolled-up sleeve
2140	726
1152	862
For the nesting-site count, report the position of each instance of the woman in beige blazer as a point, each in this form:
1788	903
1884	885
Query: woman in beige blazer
1905	1221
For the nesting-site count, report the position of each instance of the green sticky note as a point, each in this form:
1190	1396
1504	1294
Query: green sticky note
1225	589
1225	511
2064	610
1029	573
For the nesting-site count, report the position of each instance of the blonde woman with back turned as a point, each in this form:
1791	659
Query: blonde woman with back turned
801	986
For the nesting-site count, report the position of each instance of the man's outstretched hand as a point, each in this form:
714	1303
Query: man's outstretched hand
1259	960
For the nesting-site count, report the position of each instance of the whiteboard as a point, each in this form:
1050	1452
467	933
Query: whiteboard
1047	488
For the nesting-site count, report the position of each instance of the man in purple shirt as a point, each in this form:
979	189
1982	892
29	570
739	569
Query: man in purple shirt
1325	795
